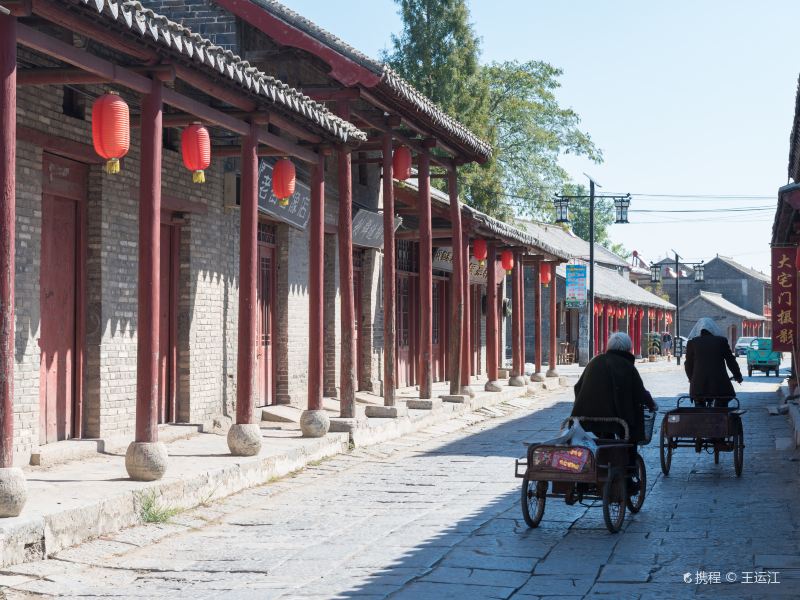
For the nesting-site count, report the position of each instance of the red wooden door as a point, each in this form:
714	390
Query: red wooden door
475	328
405	356
266	324
357	290
168	322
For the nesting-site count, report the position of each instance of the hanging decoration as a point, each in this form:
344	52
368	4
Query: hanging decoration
545	275
196	151
284	177
401	163
507	260
111	129
479	251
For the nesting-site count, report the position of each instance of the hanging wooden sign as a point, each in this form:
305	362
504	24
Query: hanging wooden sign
784	299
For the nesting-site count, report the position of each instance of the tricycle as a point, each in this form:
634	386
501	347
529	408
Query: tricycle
761	357
578	473
703	427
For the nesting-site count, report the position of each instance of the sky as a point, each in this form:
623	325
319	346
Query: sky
685	98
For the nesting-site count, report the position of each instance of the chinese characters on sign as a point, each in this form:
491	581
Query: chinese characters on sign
576	286
443	261
297	212
784	299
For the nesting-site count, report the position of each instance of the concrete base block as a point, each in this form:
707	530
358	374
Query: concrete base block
346	425
386	412
244	439
503	373
537	377
493	386
468	390
314	423
146	461
456	399
563	381
424	404
552	383
13	491
517	381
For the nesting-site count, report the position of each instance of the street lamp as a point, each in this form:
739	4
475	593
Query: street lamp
621	204
699	277
700	272
655	273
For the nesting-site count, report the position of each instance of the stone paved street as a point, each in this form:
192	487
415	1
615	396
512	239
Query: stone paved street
437	515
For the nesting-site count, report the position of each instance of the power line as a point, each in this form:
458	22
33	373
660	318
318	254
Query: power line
703	210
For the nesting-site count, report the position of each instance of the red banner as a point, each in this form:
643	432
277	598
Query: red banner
784	299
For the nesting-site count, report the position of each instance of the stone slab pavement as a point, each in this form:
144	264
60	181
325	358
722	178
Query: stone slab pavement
436	515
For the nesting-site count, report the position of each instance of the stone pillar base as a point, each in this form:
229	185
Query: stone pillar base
424	403
468	391
517	381
314	423
456	399
537	377
13	491
146	461
493	386
551	373
244	439
503	373
386	412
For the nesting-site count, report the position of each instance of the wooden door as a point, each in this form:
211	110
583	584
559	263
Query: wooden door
266	324
475	328
436	330
358	315
405	345
168	320
60	296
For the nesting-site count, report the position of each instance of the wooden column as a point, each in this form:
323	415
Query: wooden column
149	267
521	314
389	343
248	280
425	277
316	298
606	326
466	330
492	331
553	370
347	368
457	289
537	318
8	161
516	369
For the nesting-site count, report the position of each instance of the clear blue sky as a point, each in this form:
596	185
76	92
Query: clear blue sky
683	97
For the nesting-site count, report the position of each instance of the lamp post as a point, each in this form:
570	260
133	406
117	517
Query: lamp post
621	205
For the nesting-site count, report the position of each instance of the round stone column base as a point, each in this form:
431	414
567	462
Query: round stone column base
537	377
551	373
314	423
244	439
146	461
13	491
468	391
517	381
493	386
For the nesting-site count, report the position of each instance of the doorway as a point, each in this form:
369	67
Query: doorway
265	319
169	274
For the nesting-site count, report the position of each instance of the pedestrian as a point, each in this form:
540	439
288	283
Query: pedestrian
666	339
610	386
707	353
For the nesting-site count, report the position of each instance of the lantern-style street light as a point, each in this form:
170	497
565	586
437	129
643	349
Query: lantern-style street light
621	204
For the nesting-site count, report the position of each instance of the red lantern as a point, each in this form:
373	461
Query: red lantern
283	180
507	260
545	275
196	151
479	251
401	163
111	129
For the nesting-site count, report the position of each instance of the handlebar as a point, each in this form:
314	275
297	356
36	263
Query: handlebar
706	400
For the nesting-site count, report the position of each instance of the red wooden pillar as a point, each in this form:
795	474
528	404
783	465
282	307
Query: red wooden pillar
537	319
457	290
314	422
466	330
553	370
492	331
146	459
425	276
521	314
388	275
244	437
347	374
516	378
606	325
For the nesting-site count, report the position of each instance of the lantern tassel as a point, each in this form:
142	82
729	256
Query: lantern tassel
112	166
283	202
199	177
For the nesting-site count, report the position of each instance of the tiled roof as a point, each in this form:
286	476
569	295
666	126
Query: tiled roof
567	241
746	270
172	36
390	81
610	285
720	302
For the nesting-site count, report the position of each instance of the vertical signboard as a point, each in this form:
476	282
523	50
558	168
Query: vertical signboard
784	299
576	286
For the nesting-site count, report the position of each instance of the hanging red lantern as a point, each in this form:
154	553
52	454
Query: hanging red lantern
283	180
401	163
479	251
507	260
111	129
196	151
545	275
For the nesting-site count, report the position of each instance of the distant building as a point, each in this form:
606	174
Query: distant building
733	320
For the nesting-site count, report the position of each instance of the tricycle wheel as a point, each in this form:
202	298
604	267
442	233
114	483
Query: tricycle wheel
534	495
614	498
666	450
635	501
738	449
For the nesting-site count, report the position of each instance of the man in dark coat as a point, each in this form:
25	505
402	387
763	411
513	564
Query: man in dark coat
707	353
610	386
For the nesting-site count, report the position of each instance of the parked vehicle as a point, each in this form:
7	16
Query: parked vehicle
742	344
761	357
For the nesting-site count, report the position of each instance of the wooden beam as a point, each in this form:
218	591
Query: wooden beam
58	76
325	94
414	235
232	151
58	145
